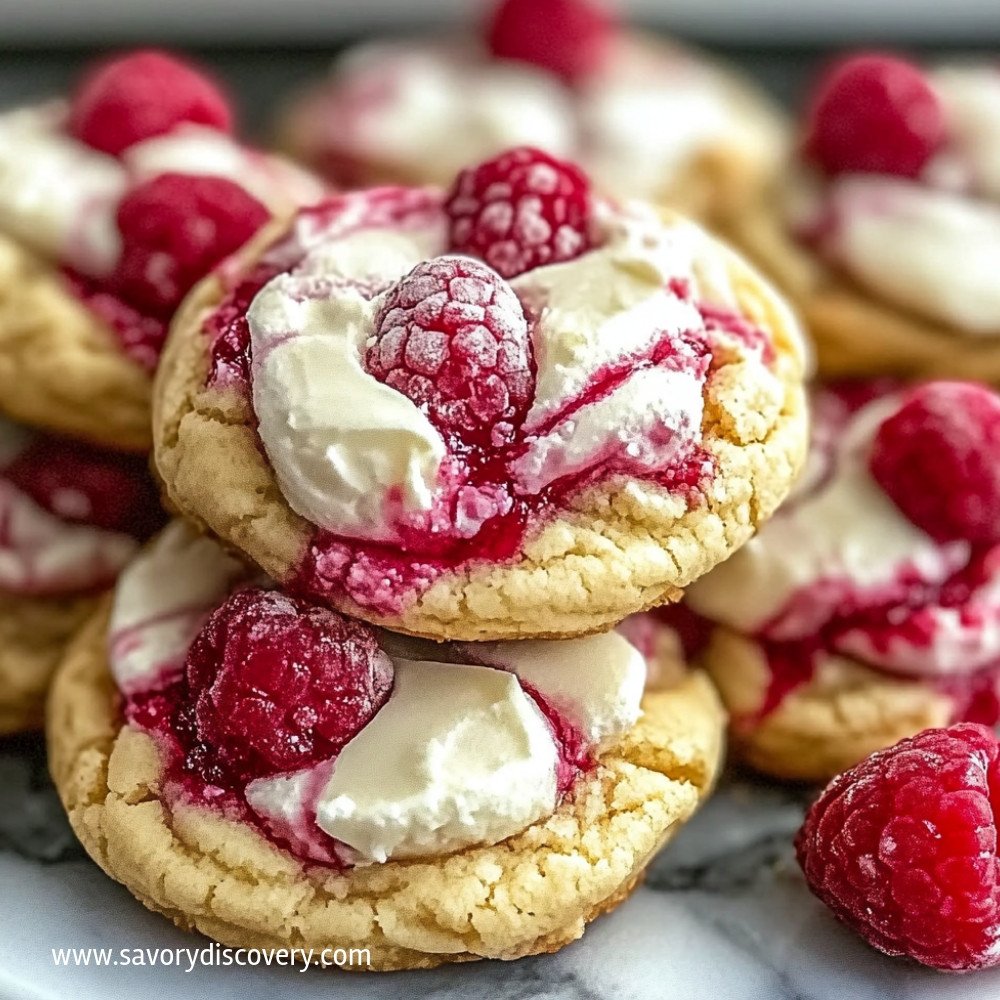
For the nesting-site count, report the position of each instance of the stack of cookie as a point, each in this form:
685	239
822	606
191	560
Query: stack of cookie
867	610
112	205
392	681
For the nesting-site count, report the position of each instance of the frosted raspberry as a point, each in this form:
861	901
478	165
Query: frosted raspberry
570	38
138	96
520	210
873	113
452	336
175	229
938	458
276	684
86	485
903	848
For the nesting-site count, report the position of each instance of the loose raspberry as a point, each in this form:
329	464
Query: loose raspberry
570	38
938	458
452	336
147	93
276	684
520	210
873	113
86	485
903	848
175	229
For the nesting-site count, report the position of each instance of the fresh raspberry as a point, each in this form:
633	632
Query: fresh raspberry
873	113
276	684
903	848
86	485
938	458
452	336
570	38
175	228
125	100
520	210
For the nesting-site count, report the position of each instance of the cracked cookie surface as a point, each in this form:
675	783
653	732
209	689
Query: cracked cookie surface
617	550
532	893
34	634
61	367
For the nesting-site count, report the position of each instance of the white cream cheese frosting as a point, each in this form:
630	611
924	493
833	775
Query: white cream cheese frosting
60	196
162	600
43	555
919	247
352	455
433	107
928	244
459	755
841	543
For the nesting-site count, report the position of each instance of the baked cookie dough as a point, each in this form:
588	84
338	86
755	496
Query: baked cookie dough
34	634
532	893
618	547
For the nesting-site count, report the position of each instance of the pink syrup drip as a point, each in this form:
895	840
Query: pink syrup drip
385	578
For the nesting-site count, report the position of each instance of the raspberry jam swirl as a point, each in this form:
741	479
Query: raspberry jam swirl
905	184
887	553
346	745
135	189
71	516
424	409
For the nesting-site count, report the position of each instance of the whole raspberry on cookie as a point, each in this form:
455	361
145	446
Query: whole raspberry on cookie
86	485
874	113
938	458
903	848
452	336
520	210
277	683
174	229
570	38
138	96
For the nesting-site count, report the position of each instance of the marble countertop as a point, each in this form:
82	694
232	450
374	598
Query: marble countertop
723	915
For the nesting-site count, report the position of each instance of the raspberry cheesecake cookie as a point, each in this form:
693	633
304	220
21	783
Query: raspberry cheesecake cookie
271	773
868	608
645	117
886	236
71	516
508	410
112	205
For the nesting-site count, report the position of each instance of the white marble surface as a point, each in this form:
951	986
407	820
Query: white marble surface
724	915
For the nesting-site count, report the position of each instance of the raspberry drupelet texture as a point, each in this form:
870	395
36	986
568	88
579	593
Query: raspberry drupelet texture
175	228
938	458
276	684
903	848
519	211
86	485
874	113
452	337
569	38
145	94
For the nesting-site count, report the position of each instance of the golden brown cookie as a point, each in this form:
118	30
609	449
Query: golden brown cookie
856	334
532	893
61	367
835	718
618	550
34	633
